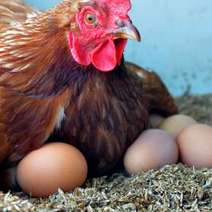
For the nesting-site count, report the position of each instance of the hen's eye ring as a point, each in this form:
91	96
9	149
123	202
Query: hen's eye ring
90	19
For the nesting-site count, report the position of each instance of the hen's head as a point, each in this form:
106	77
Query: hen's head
99	32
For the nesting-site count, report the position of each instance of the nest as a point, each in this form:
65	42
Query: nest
172	188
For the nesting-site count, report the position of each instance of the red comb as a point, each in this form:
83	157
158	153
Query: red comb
120	5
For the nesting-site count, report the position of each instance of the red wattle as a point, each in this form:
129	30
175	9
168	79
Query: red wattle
120	49
104	56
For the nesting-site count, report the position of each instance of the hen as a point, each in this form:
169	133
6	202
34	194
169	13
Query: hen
63	75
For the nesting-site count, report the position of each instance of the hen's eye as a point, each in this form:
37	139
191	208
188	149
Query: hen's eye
90	19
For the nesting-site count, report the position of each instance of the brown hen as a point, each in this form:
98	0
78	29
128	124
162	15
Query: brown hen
46	90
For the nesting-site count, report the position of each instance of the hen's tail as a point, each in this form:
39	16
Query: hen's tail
13	11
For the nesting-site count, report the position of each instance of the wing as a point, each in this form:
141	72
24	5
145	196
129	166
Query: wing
160	100
26	123
13	11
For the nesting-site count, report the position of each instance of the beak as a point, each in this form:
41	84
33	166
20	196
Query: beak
128	31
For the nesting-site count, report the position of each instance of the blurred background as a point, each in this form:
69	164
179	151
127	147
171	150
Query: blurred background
177	41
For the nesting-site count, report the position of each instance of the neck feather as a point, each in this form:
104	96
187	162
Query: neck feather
35	58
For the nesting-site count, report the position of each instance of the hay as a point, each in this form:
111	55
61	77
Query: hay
172	188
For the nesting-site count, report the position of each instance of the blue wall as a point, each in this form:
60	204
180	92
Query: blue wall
177	41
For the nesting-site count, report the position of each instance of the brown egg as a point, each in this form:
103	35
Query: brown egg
175	124
195	145
155	120
53	166
152	150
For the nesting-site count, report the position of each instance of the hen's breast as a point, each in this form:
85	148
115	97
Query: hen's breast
106	114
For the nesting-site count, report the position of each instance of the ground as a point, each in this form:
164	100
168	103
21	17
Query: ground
172	188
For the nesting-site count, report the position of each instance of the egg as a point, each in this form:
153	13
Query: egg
153	149
176	123
56	165
195	145
155	120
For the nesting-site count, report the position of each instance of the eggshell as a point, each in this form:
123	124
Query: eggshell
152	150
175	124
195	145
53	166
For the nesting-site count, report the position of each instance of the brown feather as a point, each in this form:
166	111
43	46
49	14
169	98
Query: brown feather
34	79
109	113
13	11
